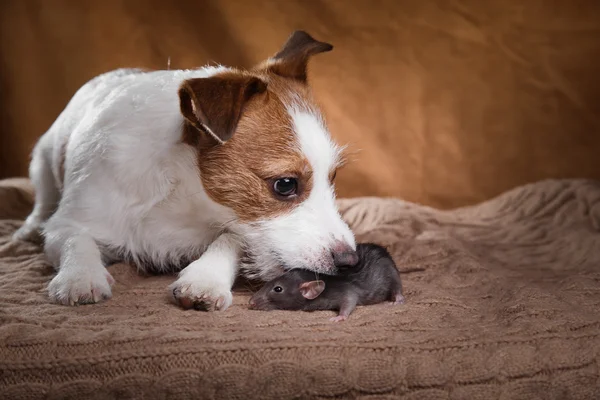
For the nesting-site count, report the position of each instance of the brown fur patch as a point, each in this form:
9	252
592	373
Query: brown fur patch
332	176
239	170
239	174
214	105
292	59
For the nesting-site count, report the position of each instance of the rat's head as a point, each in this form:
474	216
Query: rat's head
291	291
265	153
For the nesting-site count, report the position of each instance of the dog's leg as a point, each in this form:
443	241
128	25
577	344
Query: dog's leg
81	278
47	194
206	283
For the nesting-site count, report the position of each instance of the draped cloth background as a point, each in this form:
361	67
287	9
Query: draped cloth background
445	102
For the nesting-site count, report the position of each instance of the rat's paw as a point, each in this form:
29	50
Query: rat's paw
398	299
75	286
339	318
192	290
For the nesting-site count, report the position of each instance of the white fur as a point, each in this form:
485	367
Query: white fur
304	237
131	190
202	279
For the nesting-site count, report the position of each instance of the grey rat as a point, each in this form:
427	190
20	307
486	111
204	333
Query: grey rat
373	280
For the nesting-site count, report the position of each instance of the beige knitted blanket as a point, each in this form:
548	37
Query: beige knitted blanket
503	301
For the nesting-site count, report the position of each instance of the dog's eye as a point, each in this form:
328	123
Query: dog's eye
278	289
285	187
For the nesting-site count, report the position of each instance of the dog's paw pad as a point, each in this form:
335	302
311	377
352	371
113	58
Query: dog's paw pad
201	297
81	287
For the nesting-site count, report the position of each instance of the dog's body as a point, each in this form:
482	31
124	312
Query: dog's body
143	178
198	167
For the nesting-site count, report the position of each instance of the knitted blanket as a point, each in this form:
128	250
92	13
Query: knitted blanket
503	301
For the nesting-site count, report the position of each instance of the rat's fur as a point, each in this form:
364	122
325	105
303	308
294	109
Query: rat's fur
373	280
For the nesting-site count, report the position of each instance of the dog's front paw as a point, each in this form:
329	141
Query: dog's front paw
203	293
77	286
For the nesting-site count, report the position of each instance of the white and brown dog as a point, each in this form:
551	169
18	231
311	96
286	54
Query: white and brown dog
204	170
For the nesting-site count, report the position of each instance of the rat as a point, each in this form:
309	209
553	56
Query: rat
373	280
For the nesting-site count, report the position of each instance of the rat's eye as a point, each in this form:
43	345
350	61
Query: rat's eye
285	187
278	289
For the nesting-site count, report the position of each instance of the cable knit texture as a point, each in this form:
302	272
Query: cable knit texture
503	301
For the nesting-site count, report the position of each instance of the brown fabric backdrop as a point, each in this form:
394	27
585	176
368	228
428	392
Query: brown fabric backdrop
449	102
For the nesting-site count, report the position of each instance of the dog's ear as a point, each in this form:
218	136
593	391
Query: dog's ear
311	290
214	105
292	59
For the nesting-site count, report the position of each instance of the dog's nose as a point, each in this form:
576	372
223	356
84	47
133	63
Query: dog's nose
343	255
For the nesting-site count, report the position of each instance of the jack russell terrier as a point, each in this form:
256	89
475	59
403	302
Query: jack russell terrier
207	171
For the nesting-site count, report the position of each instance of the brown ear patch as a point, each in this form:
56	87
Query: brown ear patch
239	174
291	61
214	105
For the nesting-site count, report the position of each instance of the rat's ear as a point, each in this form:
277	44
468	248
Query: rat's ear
311	290
292	59
214	105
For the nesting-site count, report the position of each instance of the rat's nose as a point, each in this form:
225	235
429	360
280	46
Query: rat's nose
251	302
343	255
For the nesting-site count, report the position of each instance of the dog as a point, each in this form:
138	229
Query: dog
212	172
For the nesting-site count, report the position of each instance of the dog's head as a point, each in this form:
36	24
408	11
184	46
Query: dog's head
265	153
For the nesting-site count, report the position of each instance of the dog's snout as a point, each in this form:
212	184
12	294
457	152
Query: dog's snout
343	255
345	259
